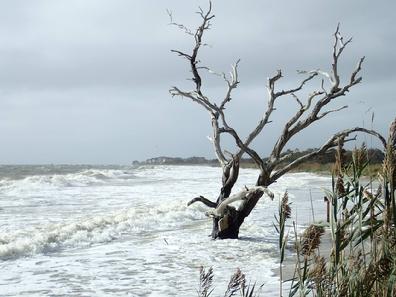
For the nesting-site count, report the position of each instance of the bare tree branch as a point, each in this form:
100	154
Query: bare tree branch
332	142
203	200
319	72
270	108
273	95
175	91
181	54
230	173
180	26
216	141
198	42
298	100
338	48
330	111
282	93
244	148
197	95
292	127
232	83
355	80
214	110
243	195
206	17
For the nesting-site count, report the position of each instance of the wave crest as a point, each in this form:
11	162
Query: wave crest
83	178
98	229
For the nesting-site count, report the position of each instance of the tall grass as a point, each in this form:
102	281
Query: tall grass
362	258
283	215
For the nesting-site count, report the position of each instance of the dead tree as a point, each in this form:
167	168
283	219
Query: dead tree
226	218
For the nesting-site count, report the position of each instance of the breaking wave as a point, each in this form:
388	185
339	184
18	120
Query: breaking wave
87	177
98	229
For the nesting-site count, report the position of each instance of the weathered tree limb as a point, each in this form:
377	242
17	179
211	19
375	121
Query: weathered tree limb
214	110
244	148
332	142
293	126
203	200
291	91
247	206
174	91
230	174
273	95
245	194
180	26
232	83
197	95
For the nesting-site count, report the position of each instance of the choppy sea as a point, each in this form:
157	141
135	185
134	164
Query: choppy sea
68	230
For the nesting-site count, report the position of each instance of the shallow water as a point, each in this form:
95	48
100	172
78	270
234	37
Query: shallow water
124	231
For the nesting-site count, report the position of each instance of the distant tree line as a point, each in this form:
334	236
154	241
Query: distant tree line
375	156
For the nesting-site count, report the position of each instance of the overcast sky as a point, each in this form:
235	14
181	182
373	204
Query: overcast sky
87	81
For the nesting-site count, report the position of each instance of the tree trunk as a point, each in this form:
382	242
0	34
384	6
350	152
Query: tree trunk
227	227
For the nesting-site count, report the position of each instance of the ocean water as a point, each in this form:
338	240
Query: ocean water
126	231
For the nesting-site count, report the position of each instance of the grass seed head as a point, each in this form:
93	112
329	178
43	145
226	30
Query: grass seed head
311	239
285	206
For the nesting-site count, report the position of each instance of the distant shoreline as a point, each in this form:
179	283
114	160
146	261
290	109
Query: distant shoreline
311	167
320	165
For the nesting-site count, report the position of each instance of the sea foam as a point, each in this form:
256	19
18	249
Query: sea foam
97	229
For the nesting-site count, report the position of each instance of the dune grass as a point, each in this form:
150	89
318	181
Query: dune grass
362	258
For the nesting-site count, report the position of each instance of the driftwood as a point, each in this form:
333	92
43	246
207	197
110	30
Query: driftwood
309	110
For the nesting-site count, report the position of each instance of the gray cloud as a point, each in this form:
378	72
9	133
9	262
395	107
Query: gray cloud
87	81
